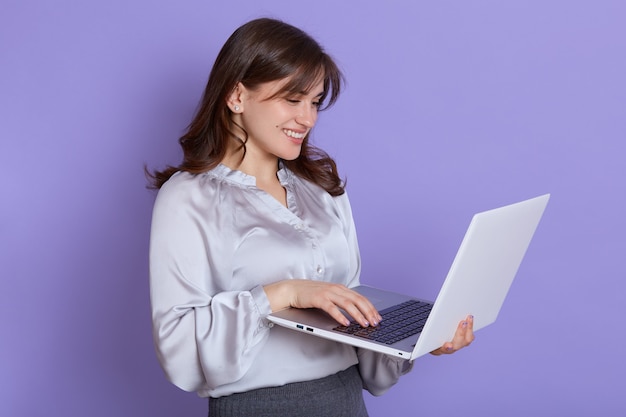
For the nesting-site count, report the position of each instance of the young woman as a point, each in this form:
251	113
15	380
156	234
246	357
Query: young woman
256	219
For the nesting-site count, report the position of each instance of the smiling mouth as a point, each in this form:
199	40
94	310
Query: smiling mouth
294	135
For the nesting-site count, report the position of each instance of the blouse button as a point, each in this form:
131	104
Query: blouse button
299	226
320	270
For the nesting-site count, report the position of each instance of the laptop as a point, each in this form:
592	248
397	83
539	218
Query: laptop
477	283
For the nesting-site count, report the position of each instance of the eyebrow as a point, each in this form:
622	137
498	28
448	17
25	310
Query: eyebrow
306	93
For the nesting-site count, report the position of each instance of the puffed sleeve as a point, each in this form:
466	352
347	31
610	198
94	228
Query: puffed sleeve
379	371
204	338
349	229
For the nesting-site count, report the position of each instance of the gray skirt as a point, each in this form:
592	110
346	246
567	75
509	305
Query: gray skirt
339	395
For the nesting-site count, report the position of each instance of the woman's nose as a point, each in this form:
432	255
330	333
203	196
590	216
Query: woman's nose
307	116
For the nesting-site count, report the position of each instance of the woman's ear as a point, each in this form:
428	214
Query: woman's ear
235	99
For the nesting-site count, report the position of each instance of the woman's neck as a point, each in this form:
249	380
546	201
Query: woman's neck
261	166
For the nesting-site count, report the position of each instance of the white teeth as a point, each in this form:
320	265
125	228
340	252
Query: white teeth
295	135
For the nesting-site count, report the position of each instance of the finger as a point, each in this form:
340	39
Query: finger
360	308
336	314
459	336
358	315
353	303
469	334
464	334
463	337
340	297
332	310
330	298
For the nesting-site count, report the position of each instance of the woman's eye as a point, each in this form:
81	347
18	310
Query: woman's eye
295	101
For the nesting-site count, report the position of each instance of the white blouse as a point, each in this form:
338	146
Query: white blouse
216	240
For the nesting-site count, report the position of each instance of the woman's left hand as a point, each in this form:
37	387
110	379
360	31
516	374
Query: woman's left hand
463	337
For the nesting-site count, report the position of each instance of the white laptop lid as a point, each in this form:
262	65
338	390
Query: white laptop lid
482	271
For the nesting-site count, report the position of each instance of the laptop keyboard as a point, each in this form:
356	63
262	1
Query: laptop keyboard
399	321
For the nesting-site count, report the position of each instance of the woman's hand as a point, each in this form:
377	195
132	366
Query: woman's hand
301	293
463	337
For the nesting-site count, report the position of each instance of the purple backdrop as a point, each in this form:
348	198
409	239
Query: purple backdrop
451	107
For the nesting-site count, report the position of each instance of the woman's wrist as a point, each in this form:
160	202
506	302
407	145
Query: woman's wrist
278	295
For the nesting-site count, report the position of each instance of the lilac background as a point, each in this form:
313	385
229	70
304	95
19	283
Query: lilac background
452	107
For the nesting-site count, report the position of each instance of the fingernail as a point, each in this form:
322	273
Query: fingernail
367	323
464	324
449	348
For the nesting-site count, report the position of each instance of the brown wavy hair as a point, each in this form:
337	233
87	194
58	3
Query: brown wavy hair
258	52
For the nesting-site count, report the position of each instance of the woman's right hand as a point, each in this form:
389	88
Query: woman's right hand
302	293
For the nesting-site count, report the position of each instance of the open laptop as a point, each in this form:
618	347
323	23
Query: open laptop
477	283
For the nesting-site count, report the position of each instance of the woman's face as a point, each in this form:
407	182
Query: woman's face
276	126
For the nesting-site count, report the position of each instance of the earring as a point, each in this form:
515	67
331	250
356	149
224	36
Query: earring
236	107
